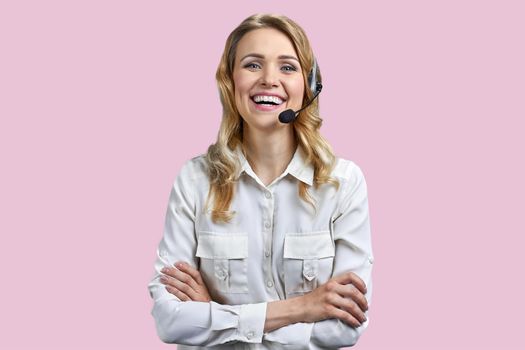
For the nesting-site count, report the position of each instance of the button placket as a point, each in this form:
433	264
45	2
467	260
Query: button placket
269	210
310	268
268	233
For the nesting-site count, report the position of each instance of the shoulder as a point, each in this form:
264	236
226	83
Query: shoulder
348	173
194	170
352	185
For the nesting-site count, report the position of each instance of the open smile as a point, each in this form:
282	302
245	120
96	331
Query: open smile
264	102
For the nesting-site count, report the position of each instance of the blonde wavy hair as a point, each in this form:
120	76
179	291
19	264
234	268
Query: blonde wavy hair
222	161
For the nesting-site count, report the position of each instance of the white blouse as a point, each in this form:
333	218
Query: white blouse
276	247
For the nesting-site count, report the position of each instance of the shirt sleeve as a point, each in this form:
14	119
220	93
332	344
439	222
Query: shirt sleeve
189	322
353	252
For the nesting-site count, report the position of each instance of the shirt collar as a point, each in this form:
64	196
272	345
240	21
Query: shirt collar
297	167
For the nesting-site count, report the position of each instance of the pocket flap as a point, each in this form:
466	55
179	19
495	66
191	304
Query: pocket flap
308	246
215	246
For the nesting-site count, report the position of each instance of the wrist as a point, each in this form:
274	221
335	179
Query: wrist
282	313
296	308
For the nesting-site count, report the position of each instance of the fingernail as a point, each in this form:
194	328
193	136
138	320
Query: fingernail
179	265
164	270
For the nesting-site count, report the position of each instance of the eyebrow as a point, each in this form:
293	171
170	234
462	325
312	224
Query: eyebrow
258	55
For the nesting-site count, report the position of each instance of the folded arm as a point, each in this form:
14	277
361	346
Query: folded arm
353	253
194	322
287	322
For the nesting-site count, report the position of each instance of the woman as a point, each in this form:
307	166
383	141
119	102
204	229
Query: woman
267	236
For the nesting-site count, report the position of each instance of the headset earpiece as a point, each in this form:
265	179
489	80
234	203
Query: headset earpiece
312	79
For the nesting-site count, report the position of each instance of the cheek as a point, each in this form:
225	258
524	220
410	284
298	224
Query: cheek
242	88
297	89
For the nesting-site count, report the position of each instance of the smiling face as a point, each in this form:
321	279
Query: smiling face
267	77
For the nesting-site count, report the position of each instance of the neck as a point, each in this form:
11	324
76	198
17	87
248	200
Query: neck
269	153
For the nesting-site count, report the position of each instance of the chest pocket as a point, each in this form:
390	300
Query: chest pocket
223	261
308	260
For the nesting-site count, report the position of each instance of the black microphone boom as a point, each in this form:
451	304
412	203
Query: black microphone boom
289	115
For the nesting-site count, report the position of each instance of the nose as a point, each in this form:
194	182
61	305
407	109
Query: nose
269	78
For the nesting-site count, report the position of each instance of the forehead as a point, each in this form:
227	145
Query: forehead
266	41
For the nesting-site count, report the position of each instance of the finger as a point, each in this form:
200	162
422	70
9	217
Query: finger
351	307
190	270
345	317
178	293
181	286
350	291
181	276
350	277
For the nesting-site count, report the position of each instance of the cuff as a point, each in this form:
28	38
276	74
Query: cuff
251	322
297	334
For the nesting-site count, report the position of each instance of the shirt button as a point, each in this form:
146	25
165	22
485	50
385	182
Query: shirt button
370	260
268	195
250	334
269	284
267	253
267	224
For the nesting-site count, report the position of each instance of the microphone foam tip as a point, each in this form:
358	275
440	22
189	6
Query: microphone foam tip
287	116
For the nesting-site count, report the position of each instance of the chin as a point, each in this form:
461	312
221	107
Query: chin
266	122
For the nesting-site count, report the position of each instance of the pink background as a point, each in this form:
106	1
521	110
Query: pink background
102	101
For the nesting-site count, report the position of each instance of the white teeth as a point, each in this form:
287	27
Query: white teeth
264	98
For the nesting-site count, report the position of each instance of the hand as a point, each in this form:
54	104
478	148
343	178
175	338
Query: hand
341	297
185	282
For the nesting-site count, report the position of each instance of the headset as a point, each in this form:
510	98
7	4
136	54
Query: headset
290	115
